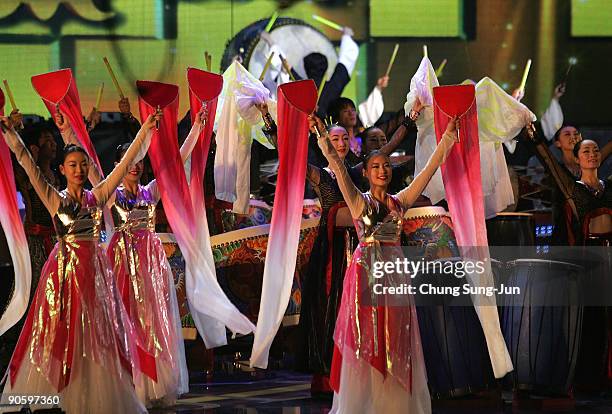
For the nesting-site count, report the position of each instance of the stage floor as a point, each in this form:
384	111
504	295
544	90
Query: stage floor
284	392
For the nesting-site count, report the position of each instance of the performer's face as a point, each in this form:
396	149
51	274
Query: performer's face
568	137
589	156
134	173
378	171
75	168
347	117
47	147
340	140
375	139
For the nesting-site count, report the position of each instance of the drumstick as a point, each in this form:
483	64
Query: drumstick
208	60
392	59
328	23
271	22
440	68
266	67
99	98
287	68
425	51
572	62
10	94
525	74
113	77
11	98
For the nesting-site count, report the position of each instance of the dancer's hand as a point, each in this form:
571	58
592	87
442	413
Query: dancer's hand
93	119
348	31
382	82
16	118
61	121
263	108
124	106
315	125
152	120
559	91
518	94
453	126
201	116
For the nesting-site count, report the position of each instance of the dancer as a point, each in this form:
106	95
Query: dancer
378	363
77	339
146	283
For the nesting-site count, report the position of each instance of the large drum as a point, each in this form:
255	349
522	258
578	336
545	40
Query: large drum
542	326
430	230
454	346
511	229
295	37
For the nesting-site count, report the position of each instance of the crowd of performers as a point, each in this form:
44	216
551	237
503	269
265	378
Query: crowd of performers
102	328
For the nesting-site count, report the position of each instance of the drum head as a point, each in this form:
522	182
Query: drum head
295	37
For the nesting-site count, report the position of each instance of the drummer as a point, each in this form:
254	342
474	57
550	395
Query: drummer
316	65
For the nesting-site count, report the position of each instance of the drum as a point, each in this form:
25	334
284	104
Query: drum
511	229
240	258
543	341
454	346
430	230
295	37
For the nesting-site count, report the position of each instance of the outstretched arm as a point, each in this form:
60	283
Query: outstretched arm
47	193
105	188
408	195
352	196
562	177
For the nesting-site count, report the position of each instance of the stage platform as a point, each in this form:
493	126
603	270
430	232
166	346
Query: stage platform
287	392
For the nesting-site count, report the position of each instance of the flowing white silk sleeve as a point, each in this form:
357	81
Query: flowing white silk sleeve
348	54
421	86
552	119
372	108
500	117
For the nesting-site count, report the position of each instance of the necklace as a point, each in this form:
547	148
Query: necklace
597	190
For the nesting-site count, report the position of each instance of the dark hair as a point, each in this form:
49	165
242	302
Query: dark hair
334	125
370	155
121	149
337	105
32	134
578	144
558	133
363	136
315	65
69	149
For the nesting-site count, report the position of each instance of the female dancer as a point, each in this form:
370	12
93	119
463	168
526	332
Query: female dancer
77	340
146	282
378	362
322	289
592	196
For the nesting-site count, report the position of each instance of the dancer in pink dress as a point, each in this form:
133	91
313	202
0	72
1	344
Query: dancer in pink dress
77	340
146	283
378	364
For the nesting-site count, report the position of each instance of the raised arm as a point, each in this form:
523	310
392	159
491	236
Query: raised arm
562	177
105	188
47	193
372	108
194	134
408	195
352	196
